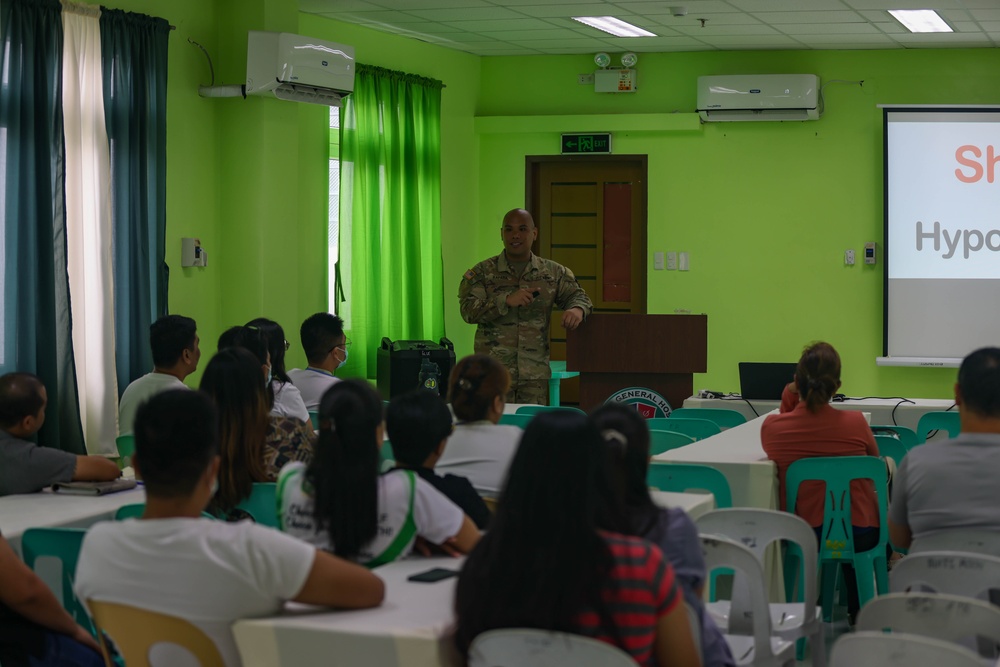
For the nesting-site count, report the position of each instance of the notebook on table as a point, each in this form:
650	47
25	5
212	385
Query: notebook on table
93	488
764	381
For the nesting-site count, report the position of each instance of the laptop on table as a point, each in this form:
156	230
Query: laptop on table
764	381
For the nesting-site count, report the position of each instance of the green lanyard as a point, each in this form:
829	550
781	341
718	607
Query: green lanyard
406	533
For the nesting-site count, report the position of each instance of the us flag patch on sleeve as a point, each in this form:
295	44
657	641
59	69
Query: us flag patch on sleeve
469	275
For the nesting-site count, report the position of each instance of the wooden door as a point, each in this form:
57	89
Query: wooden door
591	217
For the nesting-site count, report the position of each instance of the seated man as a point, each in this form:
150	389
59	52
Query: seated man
326	346
419	424
174	342
952	484
24	466
208	572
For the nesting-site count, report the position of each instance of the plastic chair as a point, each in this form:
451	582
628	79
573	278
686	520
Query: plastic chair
521	421
952	572
559	373
682	477
64	544
536	409
721	417
968	540
877	649
136	631
837	542
760	648
662	441
262	504
757	529
135	510
699	429
939	421
126	448
949	617
906	435
891	447
523	647
314	419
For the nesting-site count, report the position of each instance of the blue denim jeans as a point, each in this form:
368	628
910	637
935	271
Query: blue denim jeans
61	651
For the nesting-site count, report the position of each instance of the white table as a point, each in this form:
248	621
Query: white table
695	504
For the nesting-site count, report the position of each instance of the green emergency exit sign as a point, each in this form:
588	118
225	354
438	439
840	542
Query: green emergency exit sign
586	143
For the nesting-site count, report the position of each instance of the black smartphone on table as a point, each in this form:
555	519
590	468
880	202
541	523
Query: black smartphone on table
432	575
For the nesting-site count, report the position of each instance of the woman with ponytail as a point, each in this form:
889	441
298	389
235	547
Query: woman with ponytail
809	426
341	504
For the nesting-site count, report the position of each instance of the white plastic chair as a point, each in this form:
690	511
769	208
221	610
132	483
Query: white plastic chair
969	540
756	529
523	647
877	649
951	618
760	648
955	572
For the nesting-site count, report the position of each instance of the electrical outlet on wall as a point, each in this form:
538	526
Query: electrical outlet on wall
585	79
671	261
849	257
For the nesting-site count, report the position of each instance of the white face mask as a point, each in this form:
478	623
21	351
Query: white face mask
215	486
268	380
345	357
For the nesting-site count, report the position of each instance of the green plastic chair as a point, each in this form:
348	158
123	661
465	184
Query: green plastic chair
314	419
386	457
521	421
699	429
836	544
535	409
126	449
64	544
135	510
939	421
262	504
891	447
663	441
906	435
721	417
682	477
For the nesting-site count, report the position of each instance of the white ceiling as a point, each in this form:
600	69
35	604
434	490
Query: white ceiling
531	27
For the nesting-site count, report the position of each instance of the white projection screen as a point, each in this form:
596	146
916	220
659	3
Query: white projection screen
942	234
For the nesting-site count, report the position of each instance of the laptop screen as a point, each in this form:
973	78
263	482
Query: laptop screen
764	381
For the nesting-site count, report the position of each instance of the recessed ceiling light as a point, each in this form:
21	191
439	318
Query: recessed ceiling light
920	20
616	27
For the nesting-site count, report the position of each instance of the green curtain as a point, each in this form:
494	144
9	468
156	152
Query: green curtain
390	212
134	63
37	327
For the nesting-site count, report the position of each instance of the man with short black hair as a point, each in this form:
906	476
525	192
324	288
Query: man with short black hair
326	348
941	486
24	466
174	342
208	572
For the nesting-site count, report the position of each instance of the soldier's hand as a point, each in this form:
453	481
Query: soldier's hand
521	297
572	318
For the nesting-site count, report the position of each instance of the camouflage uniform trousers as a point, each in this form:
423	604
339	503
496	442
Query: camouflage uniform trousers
529	391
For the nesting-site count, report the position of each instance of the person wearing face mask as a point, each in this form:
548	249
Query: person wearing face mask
326	348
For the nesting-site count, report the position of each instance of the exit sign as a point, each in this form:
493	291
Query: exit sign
586	143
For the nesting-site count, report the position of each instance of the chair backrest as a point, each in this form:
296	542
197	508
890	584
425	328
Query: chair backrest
948	617
891	447
662	441
721	552
135	510
969	540
314	419
906	435
63	544
953	572
837	541
682	477
938	421
523	647
535	409
521	421
136	631
721	417
699	429
877	649
262	504
126	446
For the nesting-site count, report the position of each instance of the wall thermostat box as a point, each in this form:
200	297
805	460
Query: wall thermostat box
192	254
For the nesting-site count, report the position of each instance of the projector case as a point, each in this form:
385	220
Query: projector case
398	364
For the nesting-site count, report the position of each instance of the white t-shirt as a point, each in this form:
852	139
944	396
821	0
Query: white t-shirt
481	451
210	573
436	517
288	401
312	383
140	391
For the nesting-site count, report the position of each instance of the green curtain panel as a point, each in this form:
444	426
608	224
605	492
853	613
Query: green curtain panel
134	62
390	212
37	325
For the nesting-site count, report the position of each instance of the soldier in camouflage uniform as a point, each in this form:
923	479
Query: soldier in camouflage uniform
510	297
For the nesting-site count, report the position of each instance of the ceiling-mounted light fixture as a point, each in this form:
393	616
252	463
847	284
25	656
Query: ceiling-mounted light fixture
616	27
602	60
920	20
629	60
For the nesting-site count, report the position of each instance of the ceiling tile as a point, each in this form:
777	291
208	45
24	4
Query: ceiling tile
903	4
383	17
829	40
536	35
751	41
778	18
710	30
546	10
463	37
965	39
499	25
328	7
648	43
470	14
582	44
713	19
661	7
755	6
408	5
848	46
985	14
954	15
892	28
990	26
828	29
967	26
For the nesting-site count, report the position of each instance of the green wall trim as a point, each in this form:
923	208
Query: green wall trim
639	122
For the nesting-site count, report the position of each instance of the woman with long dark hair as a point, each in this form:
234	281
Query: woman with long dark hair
287	399
546	563
341	504
626	439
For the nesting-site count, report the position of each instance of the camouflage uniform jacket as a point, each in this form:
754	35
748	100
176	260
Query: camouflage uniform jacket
518	337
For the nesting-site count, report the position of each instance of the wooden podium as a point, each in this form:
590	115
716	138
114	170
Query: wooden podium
659	352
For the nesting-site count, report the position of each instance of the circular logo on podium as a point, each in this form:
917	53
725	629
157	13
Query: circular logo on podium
647	402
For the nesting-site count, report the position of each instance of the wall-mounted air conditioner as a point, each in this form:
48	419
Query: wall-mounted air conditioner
297	68
758	97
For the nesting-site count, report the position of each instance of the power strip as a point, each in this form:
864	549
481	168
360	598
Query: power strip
707	393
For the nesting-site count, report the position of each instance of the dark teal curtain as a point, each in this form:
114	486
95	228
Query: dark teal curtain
134	61
37	327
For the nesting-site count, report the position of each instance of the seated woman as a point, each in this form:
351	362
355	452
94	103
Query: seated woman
812	427
234	382
287	399
341	504
626	440
480	449
546	563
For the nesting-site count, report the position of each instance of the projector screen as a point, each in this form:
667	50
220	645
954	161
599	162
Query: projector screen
942	234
